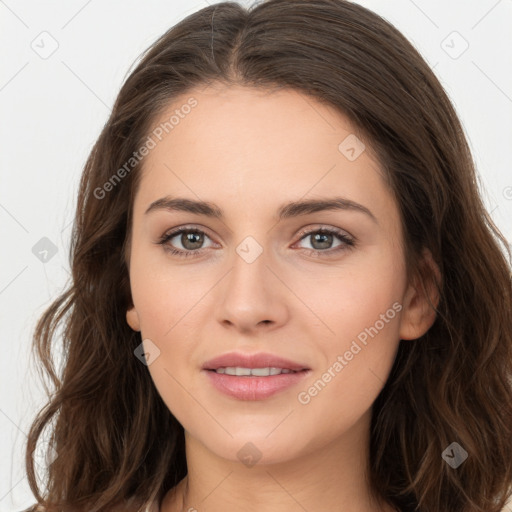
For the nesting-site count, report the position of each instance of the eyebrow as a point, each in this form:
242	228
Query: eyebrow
285	211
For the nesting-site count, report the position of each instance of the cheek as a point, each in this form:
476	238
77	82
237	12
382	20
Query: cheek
167	308
167	298
352	297
357	333
358	361
167	315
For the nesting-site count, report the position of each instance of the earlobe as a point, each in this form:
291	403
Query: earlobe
132	318
420	301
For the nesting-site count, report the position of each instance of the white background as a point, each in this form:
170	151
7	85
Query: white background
52	110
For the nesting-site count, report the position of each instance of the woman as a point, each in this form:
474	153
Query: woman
287	293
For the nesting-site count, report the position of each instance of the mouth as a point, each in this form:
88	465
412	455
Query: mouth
253	376
240	371
260	364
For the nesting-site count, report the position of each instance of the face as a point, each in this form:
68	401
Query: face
324	289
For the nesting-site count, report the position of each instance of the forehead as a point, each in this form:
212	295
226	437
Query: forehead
247	145
277	119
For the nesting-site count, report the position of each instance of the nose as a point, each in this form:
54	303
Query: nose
252	297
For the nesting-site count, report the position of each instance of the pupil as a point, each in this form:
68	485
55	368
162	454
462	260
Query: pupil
325	243
189	238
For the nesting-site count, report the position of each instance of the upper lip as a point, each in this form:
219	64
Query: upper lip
259	360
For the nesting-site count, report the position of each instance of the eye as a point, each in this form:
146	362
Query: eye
191	240
323	238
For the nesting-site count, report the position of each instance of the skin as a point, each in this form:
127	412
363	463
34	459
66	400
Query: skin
248	151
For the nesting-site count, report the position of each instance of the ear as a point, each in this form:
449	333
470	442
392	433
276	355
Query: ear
420	299
132	317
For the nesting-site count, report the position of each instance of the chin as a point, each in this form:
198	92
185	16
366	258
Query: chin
260	448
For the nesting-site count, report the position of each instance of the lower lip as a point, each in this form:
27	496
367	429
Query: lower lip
254	388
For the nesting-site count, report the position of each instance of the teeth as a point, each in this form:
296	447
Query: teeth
257	372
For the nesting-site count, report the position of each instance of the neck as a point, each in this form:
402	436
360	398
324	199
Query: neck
326	477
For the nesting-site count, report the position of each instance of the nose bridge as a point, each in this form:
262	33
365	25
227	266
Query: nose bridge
250	250
249	264
251	294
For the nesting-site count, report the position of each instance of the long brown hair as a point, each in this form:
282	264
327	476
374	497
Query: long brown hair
116	441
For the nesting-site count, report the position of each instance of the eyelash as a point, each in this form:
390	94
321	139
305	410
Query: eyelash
347	242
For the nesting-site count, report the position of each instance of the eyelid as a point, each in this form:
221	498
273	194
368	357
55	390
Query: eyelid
303	232
346	239
171	233
319	227
187	227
